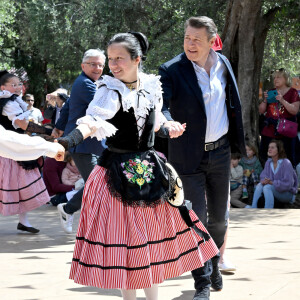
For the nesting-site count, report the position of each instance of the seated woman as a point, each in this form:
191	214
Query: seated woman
278	179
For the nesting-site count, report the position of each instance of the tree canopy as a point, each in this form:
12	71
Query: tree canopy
45	39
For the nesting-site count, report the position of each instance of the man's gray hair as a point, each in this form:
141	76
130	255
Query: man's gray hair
93	53
202	22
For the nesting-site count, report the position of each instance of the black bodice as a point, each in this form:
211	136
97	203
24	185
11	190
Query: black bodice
127	136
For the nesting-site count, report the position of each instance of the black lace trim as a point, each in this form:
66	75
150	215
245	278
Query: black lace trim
31	164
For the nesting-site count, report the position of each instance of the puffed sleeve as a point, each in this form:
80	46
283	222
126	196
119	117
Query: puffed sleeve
103	107
154	85
23	147
16	109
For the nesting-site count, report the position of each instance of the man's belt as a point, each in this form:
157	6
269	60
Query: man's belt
214	145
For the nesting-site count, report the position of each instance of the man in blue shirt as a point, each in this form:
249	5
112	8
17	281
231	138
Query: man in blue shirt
200	90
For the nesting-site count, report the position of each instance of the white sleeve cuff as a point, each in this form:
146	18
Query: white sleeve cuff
100	129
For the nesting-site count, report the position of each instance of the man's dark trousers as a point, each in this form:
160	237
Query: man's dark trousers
208	191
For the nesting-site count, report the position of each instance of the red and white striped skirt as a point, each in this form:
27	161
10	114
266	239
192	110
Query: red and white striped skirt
128	247
20	190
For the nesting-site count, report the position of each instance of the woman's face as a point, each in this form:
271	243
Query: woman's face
13	85
272	150
279	81
120	63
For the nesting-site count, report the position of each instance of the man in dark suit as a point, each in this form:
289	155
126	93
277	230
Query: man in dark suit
86	154
200	90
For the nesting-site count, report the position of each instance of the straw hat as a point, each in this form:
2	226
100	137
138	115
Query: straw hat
176	196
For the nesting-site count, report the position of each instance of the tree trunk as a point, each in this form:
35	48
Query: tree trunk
244	38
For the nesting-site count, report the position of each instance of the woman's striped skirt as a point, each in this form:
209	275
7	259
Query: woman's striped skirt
20	190
126	247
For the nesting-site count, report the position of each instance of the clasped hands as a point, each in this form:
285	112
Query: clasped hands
175	128
266	181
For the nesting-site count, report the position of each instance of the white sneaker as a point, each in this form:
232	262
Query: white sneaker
227	266
66	220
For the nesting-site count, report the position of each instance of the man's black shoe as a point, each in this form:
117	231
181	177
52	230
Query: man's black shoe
216	279
202	294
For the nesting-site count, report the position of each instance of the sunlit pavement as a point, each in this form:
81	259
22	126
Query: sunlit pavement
263	244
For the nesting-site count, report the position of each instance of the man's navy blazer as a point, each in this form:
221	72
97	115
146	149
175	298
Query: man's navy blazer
183	102
82	93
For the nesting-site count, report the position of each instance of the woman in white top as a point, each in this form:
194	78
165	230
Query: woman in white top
21	185
129	236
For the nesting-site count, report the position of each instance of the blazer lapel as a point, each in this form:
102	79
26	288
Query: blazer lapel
188	72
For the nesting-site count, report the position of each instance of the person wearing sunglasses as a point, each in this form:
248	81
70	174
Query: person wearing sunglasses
35	114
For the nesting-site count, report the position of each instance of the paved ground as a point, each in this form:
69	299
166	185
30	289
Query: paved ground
264	245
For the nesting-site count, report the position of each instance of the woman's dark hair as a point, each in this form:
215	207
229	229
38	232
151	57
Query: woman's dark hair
280	148
5	77
136	43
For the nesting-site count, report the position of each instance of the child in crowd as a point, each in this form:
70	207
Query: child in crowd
251	169
236	177
70	174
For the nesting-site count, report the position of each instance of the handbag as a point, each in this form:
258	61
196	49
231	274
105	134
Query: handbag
287	128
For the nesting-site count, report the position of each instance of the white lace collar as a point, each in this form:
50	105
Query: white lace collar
141	100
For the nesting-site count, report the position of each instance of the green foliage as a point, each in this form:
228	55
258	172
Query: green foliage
283	42
47	38
8	34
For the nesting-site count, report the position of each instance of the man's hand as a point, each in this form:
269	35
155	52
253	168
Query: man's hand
60	155
175	128
56	133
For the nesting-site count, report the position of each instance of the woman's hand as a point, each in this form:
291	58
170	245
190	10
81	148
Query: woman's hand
279	97
175	128
266	181
60	155
292	108
263	105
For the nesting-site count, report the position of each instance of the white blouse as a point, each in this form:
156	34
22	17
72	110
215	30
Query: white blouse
23	147
14	110
106	104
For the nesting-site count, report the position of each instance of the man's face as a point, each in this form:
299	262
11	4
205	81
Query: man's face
93	67
30	102
196	44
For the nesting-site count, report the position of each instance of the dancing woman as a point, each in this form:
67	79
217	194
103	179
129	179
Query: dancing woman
129	236
21	185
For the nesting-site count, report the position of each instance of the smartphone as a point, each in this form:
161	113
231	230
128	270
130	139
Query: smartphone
272	96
